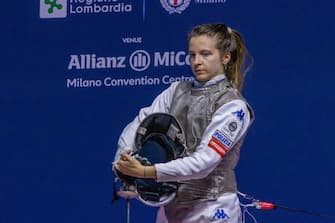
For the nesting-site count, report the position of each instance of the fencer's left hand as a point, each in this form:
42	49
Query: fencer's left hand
129	165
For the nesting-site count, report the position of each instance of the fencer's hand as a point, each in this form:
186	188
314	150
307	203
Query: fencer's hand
129	165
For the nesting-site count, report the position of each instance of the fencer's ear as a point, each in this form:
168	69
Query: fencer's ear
225	58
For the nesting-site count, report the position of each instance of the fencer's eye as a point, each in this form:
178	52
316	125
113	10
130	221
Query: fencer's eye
205	53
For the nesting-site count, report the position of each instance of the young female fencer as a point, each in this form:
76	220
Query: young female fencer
215	119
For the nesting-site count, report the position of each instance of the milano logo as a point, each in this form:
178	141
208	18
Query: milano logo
175	6
53	8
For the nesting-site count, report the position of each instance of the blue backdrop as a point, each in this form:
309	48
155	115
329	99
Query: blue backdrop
75	72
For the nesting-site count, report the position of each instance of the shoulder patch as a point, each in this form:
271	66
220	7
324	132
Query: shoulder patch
220	143
231	127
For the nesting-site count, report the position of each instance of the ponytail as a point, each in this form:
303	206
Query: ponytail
240	62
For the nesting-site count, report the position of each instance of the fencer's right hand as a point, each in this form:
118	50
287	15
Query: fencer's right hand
130	166
125	188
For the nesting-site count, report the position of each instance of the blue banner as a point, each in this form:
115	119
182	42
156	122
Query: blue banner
75	72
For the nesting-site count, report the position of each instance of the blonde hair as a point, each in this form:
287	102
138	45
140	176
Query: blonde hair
228	40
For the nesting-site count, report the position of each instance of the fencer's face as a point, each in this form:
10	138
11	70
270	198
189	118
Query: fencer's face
205	59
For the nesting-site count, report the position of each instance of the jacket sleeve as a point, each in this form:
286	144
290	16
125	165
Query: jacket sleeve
229	123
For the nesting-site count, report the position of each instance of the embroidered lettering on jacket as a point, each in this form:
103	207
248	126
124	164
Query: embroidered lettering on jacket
220	143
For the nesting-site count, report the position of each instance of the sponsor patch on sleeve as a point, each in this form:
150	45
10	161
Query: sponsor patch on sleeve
220	143
231	128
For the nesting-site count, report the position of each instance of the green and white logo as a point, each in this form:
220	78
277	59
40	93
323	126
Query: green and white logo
53	9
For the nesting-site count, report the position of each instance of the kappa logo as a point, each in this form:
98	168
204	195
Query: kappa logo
175	6
239	114
53	8
220	214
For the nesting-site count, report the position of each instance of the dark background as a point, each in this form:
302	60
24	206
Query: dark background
57	143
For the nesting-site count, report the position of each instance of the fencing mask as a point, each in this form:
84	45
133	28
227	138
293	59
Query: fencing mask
159	139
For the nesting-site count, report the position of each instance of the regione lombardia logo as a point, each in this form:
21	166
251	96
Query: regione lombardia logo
175	6
53	8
